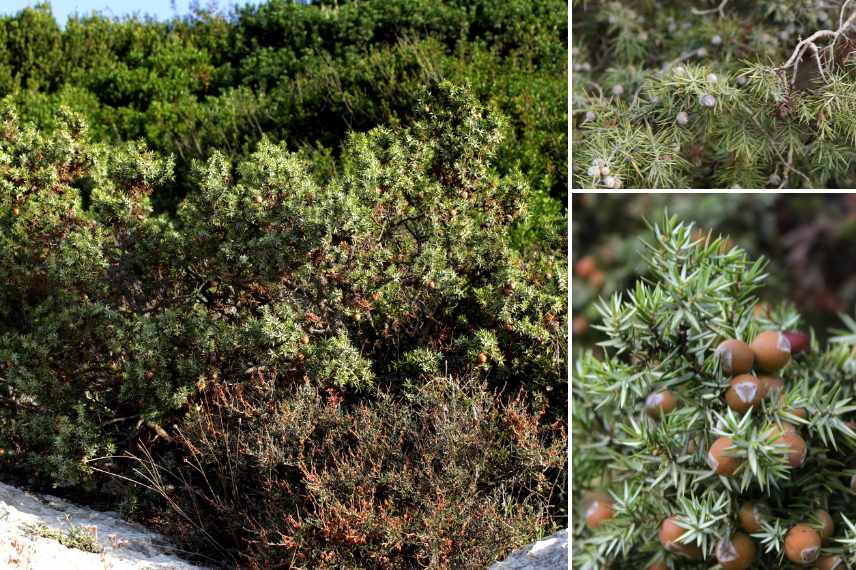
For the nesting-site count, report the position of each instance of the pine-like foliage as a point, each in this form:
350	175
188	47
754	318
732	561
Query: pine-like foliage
714	94
663	335
357	352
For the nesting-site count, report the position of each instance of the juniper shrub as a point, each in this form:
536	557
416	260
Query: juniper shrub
120	329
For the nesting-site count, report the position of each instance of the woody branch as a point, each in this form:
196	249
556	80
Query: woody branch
809	43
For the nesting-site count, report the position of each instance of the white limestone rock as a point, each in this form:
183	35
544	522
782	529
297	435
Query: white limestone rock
550	553
124	545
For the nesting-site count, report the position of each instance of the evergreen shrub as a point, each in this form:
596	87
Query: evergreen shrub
803	236
355	369
301	73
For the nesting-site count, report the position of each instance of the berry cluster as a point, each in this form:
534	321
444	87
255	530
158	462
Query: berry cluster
708	429
768	353
600	172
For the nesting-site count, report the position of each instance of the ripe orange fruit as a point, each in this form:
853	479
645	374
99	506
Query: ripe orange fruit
788	436
670	532
721	459
751	514
585	266
735	356
802	544
736	553
772	351
482	357
773	383
745	392
580	325
599	509
660	403
827	529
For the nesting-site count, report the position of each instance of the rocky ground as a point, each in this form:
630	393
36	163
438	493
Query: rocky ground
33	529
550	553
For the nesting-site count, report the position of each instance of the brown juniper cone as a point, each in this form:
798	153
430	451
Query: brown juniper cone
827	529
598	506
670	532
802	544
751	514
736	553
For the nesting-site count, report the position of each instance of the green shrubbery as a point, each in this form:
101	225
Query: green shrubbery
329	357
302	74
803	236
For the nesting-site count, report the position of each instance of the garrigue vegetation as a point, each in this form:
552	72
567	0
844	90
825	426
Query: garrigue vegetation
708	433
303	75
274	285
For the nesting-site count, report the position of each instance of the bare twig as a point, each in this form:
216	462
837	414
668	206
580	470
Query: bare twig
841	14
720	9
810	43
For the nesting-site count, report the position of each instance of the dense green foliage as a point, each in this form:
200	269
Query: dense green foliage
290	282
663	335
806	238
359	352
302	74
677	94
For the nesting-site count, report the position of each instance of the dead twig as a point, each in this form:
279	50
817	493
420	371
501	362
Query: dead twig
720	9
810	43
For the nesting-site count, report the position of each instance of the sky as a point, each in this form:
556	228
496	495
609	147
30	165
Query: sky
162	9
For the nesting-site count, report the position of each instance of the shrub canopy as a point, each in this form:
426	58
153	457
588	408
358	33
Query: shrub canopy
285	312
303	74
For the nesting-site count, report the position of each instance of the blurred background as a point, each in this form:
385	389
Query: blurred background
809	240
